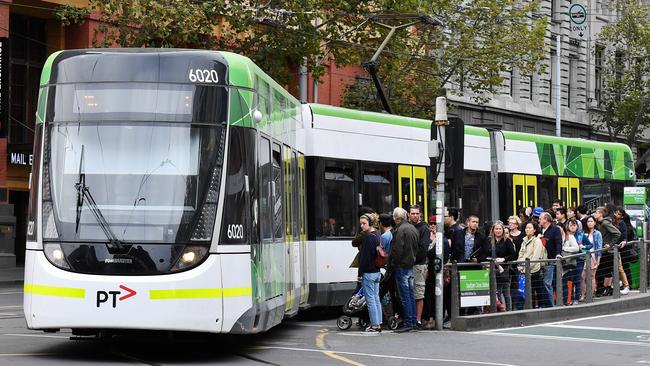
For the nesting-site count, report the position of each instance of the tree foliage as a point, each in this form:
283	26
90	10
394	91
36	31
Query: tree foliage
479	41
277	35
624	105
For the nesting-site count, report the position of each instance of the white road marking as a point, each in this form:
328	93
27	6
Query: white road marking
11	306
11	293
34	335
496	331
598	328
386	356
583	340
29	354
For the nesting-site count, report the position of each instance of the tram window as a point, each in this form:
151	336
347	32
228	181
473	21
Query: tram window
265	185
278	214
475	194
377	190
35	185
235	202
338	201
547	191
616	192
595	193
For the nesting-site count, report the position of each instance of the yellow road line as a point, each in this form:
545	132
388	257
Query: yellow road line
320	343
342	359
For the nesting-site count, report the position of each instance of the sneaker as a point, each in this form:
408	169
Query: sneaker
419	325
446	325
404	329
625	291
430	325
373	330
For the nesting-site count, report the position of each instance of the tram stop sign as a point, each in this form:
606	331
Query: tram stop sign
578	21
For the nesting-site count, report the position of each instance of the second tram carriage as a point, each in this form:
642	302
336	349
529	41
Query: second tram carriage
189	186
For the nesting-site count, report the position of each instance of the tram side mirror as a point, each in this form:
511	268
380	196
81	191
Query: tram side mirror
257	116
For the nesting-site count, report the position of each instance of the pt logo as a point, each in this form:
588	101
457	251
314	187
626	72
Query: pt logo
103	296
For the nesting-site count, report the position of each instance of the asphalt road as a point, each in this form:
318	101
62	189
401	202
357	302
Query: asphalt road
622	339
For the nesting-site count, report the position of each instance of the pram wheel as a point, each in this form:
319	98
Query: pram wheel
363	323
344	322
393	323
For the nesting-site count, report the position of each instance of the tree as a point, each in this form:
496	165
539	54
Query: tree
624	102
276	35
478	42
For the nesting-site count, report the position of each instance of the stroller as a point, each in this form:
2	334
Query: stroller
356	307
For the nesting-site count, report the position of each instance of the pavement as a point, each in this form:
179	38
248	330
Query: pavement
12	276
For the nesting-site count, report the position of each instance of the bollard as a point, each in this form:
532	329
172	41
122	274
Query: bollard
559	298
528	303
455	298
493	287
589	286
616	294
643	268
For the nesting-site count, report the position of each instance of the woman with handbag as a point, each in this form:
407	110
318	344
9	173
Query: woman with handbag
532	248
369	272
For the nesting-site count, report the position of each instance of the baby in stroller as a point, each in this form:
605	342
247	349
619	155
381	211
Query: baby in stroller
356	307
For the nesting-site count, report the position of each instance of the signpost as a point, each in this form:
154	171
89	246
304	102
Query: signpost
474	288
578	20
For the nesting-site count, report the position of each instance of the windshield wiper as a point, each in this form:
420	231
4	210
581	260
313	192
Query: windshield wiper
83	195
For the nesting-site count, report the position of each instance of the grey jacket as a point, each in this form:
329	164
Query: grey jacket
611	234
404	246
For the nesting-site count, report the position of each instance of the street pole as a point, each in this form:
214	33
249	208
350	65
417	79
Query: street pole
438	130
558	88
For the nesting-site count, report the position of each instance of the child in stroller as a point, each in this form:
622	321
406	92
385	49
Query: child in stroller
356	307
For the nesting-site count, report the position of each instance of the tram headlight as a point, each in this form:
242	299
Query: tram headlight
191	256
55	255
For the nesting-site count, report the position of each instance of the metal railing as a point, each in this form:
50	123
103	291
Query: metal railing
562	267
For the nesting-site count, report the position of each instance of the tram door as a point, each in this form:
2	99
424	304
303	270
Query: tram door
524	192
413	187
568	190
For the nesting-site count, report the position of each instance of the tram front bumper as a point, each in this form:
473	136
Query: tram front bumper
193	300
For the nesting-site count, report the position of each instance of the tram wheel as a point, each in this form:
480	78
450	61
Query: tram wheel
344	322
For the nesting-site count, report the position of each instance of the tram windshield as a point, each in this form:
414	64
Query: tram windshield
140	181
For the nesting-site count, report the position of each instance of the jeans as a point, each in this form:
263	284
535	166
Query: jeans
549	276
371	293
404	279
575	276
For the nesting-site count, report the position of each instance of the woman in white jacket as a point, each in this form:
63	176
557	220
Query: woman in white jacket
532	248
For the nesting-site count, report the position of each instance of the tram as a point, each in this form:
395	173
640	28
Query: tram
189	186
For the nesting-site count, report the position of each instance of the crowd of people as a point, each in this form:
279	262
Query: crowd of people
408	243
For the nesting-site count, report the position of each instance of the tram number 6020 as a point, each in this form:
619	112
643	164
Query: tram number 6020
203	76
236	231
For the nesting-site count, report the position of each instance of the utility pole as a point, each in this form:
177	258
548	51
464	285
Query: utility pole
437	156
558	87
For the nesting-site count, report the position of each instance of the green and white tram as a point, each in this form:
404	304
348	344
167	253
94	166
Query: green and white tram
185	190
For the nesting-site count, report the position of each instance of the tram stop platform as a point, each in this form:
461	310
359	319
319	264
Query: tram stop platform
600	306
12	276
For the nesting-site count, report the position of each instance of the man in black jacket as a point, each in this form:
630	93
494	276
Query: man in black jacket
420	267
468	244
552	237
